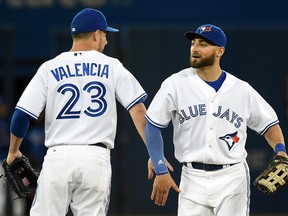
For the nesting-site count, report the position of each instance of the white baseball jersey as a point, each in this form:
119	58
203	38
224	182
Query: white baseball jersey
209	126
78	91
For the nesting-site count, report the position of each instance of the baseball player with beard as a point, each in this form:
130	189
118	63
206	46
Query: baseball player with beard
210	111
78	90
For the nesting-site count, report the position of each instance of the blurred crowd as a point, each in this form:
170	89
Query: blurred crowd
32	147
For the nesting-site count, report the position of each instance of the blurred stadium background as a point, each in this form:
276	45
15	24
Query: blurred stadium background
152	46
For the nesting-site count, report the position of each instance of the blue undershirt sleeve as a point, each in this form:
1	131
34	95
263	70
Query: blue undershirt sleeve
19	123
155	147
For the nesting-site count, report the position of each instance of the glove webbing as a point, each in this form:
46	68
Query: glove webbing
275	179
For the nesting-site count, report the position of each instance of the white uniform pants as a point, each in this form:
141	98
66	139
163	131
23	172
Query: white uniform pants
215	193
75	175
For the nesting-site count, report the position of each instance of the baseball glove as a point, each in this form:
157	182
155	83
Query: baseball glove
274	177
21	176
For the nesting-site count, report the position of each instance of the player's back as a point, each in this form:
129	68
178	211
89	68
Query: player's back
79	91
81	97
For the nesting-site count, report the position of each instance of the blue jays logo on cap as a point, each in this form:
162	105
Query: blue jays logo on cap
209	32
205	28
89	20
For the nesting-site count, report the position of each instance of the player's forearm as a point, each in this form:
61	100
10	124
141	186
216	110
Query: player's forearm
15	143
274	136
137	113
19	125
14	151
155	147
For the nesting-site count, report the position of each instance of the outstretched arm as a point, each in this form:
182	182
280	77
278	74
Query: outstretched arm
163	181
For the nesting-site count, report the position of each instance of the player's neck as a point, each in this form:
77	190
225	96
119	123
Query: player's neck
81	46
209	74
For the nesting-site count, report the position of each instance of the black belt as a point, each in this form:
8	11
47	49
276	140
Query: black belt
206	167
99	144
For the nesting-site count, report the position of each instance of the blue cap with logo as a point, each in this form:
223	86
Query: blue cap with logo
89	20
209	32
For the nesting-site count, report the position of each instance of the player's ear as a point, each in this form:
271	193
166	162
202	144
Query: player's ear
96	35
221	51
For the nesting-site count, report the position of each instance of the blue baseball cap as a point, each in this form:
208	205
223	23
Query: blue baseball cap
209	32
89	20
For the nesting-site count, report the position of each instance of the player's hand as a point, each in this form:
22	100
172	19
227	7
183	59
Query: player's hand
11	157
282	154
151	169
161	187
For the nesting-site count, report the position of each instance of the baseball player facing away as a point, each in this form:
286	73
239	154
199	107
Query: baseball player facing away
78	90
210	110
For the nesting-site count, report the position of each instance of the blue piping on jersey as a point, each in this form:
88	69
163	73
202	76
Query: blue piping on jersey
269	126
247	188
141	97
154	123
27	112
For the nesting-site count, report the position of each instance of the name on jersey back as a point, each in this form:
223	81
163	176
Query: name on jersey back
80	69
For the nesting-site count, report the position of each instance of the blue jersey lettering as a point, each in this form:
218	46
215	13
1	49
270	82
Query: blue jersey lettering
80	69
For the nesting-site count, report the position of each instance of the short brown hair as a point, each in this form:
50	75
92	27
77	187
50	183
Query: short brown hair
80	36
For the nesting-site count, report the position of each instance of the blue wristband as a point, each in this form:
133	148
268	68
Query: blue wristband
280	147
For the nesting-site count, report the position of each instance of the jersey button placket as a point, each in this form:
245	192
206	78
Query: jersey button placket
211	132
210	137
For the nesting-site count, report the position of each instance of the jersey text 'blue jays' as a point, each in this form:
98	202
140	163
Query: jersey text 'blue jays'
81	69
200	110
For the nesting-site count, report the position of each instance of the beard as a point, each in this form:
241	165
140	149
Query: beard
204	62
